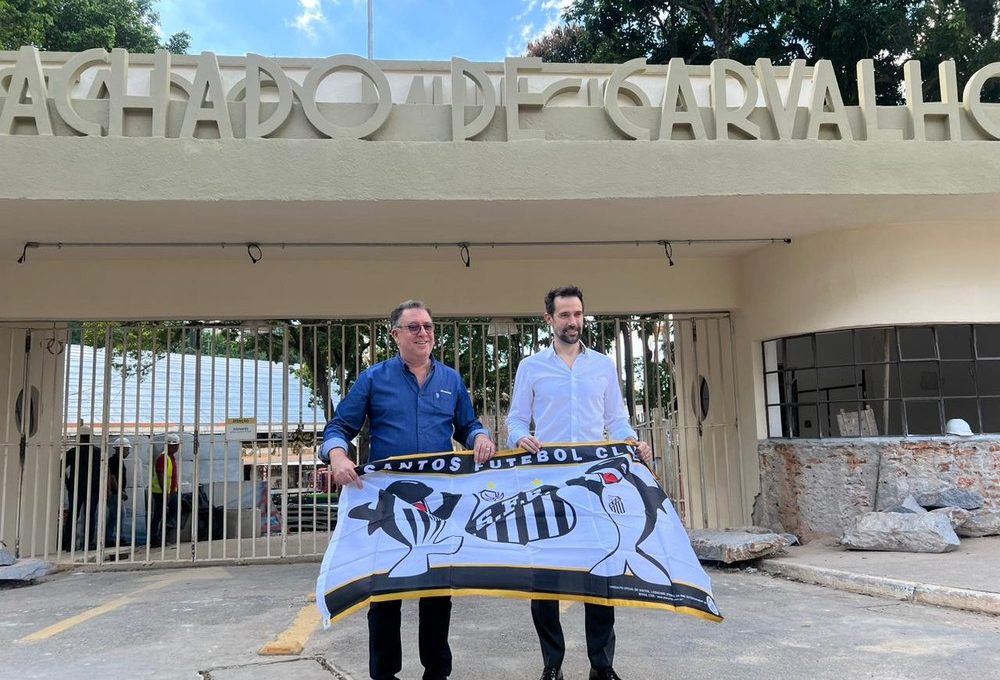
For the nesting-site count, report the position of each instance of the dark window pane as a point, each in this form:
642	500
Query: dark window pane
988	340
878	381
916	342
800	385
888	417
875	345
955	342
799	352
805	422
920	379
704	399
837	384
827	421
834	349
846	420
957	379
923	417
988	377
966	409
990	408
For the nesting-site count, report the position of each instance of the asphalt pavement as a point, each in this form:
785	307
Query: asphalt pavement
211	623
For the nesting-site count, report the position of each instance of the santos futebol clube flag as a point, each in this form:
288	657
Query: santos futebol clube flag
582	522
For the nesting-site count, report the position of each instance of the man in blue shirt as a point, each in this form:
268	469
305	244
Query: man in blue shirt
414	404
572	394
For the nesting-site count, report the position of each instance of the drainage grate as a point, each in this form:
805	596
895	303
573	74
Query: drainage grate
307	668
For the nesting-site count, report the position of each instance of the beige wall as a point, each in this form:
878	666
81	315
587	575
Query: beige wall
942	272
173	287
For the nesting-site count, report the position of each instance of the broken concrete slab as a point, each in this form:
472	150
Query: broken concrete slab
26	570
981	522
910	505
958	516
791	538
895	531
752	529
950	497
734	546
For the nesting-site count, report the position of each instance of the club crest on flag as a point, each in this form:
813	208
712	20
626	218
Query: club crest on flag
525	517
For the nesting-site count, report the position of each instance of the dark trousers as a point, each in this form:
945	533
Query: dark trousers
599	623
83	516
385	651
164	515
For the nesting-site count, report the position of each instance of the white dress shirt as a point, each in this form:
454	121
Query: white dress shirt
579	404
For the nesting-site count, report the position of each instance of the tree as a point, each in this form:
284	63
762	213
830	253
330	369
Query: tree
77	25
327	356
842	31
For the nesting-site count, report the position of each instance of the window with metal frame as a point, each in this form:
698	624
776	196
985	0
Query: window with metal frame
885	381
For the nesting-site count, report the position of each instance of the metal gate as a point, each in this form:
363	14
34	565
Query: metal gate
248	403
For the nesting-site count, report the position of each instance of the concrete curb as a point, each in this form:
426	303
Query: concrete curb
979	601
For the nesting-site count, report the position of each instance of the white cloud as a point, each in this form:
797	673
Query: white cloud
547	12
312	14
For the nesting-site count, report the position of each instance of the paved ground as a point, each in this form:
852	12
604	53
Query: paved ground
975	565
213	621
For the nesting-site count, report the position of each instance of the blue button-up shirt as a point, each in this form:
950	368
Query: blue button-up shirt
579	404
405	417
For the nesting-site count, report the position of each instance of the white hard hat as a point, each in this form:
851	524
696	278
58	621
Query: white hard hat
958	427
122	443
173	438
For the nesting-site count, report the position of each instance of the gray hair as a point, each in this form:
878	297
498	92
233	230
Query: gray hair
402	307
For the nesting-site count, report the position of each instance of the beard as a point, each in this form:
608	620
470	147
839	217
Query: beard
569	336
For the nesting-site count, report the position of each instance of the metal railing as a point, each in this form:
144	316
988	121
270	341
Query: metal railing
249	402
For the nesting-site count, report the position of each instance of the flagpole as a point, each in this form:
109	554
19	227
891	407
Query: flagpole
371	31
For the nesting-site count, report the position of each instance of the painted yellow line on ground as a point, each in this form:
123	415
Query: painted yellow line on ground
66	624
293	640
118	602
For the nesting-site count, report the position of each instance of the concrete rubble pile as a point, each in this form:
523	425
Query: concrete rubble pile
25	571
930	519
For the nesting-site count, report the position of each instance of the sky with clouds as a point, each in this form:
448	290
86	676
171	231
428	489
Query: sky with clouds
478	30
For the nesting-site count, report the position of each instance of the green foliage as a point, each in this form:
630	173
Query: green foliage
328	356
843	31
77	25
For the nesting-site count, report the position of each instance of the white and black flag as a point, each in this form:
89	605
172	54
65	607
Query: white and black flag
583	522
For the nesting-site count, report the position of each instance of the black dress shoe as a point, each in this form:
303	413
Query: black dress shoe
604	674
551	673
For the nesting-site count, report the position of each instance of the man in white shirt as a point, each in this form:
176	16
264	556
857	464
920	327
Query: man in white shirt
572	394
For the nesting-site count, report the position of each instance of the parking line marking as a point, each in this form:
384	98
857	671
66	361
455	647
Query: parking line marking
118	602
112	605
294	638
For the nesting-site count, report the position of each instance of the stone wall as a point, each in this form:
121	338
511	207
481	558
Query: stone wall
815	487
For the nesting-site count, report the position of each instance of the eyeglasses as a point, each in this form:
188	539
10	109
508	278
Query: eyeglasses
415	328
